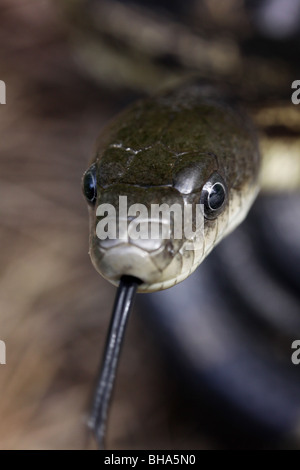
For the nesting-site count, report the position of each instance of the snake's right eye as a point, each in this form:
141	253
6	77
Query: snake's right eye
213	196
89	184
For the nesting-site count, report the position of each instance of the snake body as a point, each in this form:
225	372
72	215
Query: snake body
169	149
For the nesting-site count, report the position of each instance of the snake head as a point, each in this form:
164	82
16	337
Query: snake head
170	178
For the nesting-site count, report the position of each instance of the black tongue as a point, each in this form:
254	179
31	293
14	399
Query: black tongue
105	383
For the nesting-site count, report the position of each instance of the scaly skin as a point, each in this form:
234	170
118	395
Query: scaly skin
164	149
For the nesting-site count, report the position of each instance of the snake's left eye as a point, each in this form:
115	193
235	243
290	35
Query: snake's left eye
213	196
89	184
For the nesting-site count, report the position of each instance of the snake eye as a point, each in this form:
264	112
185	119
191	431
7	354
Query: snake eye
213	196
89	184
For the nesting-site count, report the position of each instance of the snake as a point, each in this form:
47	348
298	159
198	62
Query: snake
193	141
188	145
167	146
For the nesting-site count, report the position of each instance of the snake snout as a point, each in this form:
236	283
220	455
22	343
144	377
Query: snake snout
128	260
144	250
146	234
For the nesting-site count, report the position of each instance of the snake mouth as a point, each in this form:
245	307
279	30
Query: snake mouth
151	257
157	269
127	260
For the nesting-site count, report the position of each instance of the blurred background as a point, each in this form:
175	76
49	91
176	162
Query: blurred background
206	364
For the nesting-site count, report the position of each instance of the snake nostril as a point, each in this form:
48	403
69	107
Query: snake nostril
170	249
